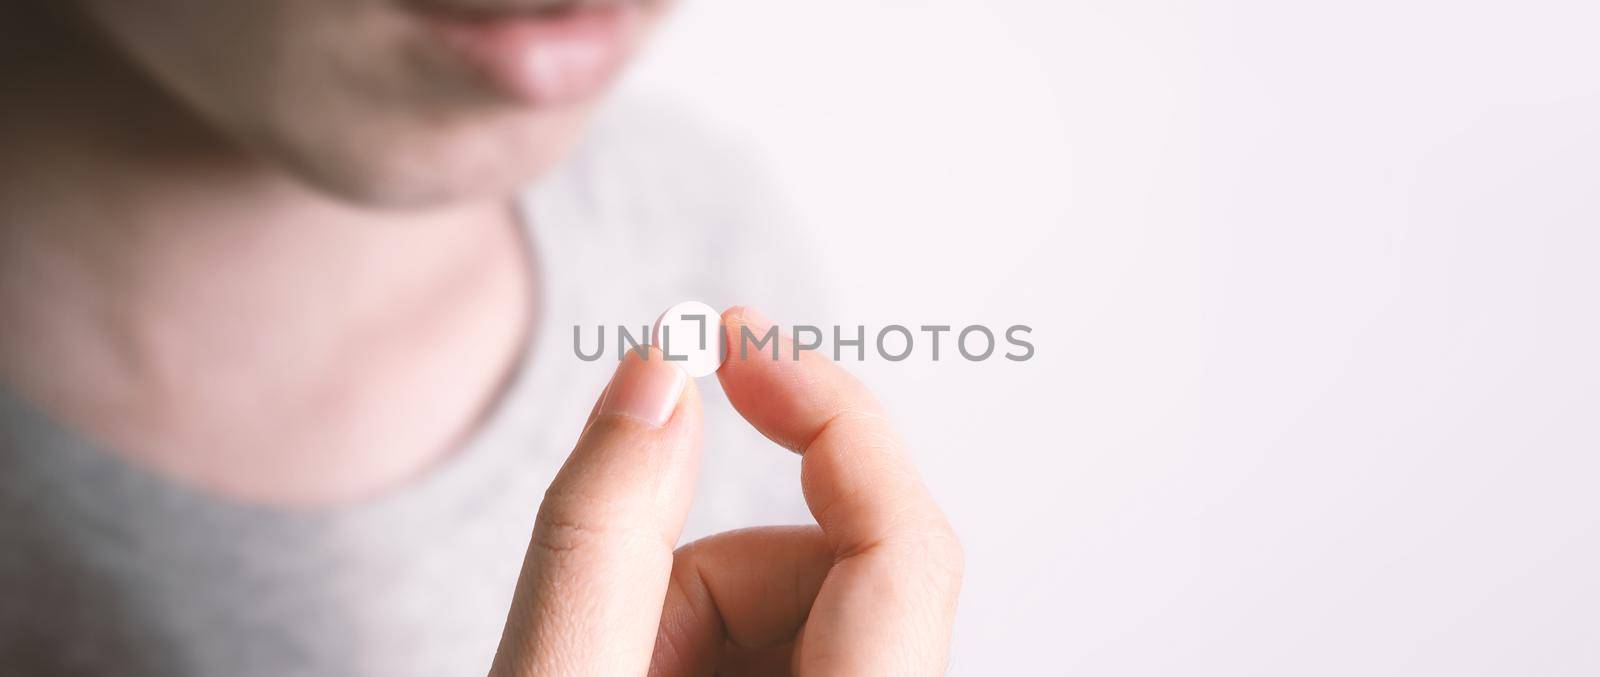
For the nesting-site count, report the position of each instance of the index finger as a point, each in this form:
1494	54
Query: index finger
858	482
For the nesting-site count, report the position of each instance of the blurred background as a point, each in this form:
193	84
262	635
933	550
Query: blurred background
1313	287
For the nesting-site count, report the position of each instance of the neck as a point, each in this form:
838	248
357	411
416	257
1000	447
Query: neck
143	259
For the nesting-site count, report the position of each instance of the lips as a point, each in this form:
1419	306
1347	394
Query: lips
539	53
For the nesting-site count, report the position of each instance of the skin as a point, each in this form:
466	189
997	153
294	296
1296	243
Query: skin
276	263
275	317
870	590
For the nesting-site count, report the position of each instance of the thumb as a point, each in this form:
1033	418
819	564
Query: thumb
590	594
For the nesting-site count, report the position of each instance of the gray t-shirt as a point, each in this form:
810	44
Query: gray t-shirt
106	568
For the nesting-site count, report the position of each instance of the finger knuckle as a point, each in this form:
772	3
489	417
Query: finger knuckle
936	551
562	534
856	426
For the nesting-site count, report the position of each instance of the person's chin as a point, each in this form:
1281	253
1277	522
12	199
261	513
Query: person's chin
421	173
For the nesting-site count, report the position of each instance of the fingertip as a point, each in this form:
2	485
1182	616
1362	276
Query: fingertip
688	399
784	393
646	387
747	334
745	315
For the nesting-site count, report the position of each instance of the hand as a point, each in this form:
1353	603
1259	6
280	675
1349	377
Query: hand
871	591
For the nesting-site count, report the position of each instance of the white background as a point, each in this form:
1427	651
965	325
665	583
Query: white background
1315	294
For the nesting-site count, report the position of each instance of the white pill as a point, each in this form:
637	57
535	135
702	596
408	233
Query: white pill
690	335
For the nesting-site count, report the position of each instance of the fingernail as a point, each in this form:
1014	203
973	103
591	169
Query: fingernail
645	389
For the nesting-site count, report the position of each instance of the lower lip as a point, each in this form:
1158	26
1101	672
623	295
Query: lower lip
543	59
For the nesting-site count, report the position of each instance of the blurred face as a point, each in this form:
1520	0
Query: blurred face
388	102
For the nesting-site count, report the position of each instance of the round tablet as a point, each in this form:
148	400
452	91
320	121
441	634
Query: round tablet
690	335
